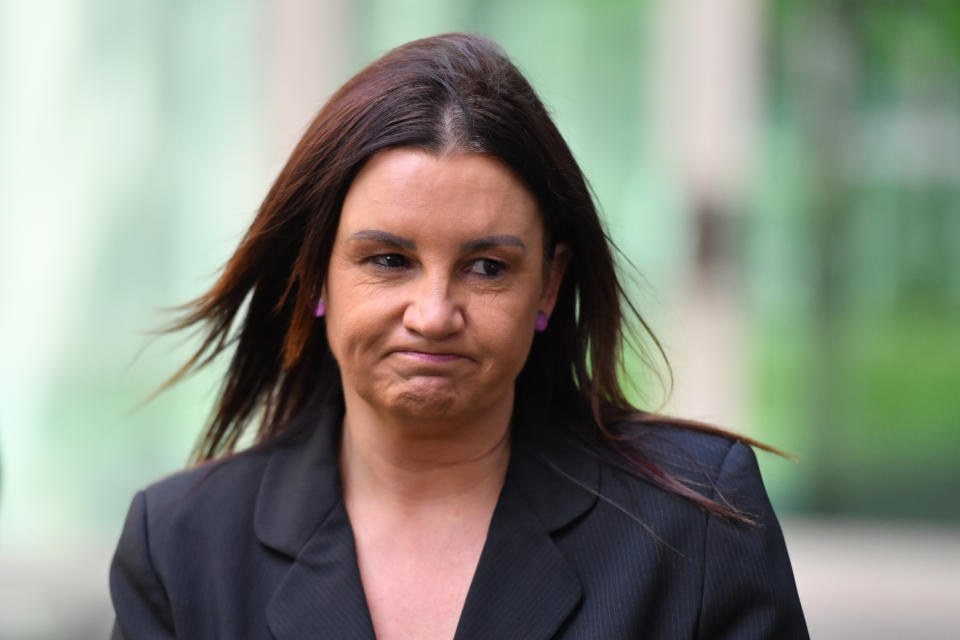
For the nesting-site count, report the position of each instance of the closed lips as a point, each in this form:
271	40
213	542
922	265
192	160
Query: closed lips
430	357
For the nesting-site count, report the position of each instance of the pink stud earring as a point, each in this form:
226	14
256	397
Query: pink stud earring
321	308
541	324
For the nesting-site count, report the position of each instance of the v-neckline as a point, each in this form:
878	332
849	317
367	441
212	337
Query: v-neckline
397	587
522	585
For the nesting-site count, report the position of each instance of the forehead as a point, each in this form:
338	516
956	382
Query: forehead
415	193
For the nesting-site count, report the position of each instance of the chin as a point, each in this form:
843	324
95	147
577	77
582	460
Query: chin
425	398
425	406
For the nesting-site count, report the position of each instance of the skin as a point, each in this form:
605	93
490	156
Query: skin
435	280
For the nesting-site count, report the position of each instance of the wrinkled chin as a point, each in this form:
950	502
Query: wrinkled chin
428	398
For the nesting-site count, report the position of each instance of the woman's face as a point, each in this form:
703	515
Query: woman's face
435	280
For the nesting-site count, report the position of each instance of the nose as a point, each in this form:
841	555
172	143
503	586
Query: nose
433	311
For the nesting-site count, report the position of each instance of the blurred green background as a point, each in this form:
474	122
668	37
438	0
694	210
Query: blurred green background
784	176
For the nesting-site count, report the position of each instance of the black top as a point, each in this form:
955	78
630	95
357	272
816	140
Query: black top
260	546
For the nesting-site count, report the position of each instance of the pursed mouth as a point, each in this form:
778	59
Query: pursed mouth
431	357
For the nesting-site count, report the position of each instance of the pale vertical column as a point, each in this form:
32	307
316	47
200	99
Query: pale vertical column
306	54
51	231
706	77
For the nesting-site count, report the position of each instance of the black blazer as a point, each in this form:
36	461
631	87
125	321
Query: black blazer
260	546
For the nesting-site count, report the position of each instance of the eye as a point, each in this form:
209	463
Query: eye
390	261
487	267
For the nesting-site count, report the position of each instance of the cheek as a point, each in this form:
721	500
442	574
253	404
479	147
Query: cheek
356	325
347	335
508	332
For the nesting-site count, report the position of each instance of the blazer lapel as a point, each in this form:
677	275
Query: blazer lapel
300	513
321	595
523	586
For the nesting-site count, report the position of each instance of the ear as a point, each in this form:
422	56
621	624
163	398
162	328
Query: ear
551	288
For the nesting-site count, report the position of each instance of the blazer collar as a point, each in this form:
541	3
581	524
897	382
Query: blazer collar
523	585
300	486
557	475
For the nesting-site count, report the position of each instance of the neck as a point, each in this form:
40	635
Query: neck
413	462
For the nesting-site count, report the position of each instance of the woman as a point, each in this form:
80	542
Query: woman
429	357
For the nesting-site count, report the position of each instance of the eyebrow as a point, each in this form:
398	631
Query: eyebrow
493	241
384	237
405	243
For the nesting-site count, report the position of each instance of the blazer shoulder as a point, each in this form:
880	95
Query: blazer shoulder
217	488
718	467
670	441
694	457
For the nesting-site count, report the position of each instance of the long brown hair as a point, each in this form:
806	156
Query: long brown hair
449	93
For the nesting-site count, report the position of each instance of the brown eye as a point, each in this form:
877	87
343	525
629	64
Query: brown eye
487	267
390	261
